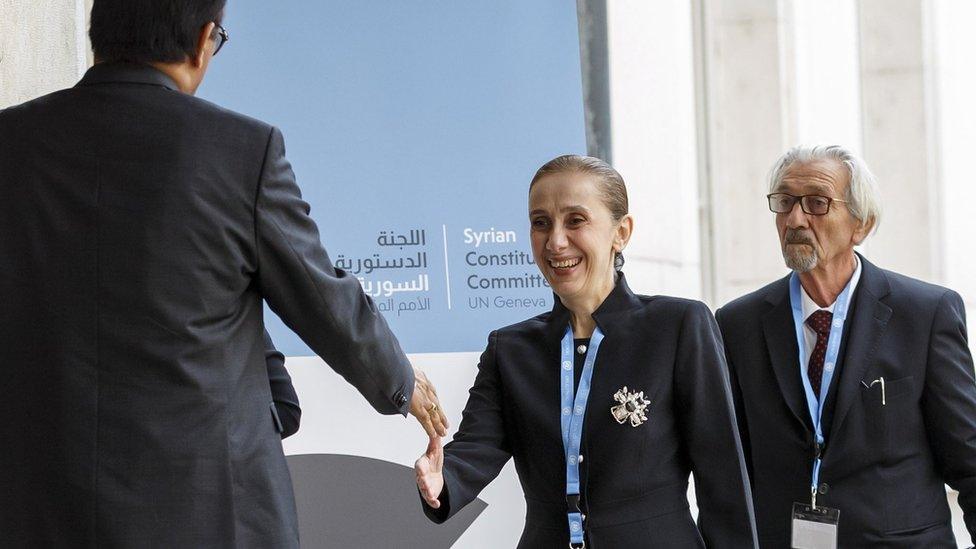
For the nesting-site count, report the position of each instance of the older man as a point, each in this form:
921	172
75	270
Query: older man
854	385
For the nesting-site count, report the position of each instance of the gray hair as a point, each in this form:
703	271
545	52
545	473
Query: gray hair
863	199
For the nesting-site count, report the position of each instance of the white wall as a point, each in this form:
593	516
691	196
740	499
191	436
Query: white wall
746	88
336	419
954	111
43	47
899	142
652	103
827	72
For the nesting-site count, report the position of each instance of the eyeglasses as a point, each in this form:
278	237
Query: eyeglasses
221	37
812	204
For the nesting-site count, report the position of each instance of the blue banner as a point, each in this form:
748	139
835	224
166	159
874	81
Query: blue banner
414	129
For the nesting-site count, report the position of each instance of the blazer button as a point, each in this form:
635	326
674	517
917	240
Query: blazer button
400	399
823	488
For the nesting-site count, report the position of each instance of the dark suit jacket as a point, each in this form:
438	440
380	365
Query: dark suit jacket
884	466
287	413
141	230
635	480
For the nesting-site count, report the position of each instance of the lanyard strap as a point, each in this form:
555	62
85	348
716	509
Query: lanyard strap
571	421
815	405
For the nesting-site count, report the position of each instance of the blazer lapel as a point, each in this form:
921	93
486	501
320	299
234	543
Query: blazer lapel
869	323
783	352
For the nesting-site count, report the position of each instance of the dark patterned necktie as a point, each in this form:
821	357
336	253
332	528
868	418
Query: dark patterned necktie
820	323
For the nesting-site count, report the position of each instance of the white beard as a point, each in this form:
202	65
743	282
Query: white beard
799	260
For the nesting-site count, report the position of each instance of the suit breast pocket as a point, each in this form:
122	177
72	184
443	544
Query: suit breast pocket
902	417
884	392
888	404
899	395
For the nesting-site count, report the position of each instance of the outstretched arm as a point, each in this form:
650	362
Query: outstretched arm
451	478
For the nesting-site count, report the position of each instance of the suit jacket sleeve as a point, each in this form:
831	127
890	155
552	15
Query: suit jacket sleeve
480	447
740	415
286	407
949	403
325	306
703	394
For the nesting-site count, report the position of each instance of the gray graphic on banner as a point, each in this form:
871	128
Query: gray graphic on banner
353	501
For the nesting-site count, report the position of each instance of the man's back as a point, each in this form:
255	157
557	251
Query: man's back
130	337
141	229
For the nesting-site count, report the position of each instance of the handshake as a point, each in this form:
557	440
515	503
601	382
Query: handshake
425	406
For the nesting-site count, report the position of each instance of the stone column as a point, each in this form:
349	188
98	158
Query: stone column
652	104
899	135
746	119
954	85
771	75
43	47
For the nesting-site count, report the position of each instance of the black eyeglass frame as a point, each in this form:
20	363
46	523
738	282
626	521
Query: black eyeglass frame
802	200
221	37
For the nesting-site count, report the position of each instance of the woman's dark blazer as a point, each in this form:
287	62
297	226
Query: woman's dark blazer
635	479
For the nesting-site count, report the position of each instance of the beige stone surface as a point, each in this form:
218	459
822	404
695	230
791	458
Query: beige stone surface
43	47
898	135
748	121
652	100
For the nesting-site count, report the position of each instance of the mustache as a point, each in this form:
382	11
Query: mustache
797	236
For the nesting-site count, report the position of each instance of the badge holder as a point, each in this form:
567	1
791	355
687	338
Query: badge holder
814	527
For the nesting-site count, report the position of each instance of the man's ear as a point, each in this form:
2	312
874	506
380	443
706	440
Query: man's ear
203	44
862	231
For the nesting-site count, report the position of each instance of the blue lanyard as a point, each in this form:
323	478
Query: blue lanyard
571	420
815	405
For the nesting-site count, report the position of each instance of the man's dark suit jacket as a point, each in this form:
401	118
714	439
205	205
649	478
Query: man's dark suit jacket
140	230
884	465
634	479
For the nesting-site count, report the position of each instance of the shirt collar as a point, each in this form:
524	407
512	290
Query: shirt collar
810	306
125	72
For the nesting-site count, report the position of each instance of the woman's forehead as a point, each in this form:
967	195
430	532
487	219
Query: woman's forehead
562	189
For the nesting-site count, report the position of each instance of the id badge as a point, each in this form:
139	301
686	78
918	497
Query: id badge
814	528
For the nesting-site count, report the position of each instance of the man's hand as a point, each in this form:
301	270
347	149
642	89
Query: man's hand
426	408
430	473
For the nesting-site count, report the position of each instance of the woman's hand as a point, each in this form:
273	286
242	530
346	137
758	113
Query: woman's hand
430	472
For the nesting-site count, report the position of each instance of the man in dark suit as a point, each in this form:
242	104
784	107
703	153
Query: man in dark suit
885	365
141	229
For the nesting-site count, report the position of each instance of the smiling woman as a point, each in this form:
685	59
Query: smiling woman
642	392
580	226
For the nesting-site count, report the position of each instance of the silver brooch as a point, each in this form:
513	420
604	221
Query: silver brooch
632	407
